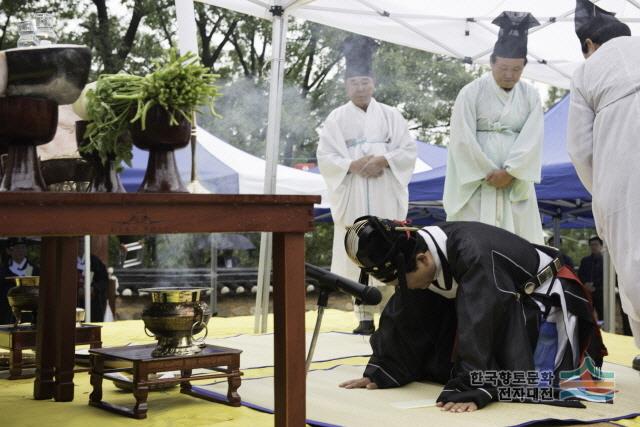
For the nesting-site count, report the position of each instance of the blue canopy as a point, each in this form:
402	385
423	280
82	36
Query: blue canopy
560	194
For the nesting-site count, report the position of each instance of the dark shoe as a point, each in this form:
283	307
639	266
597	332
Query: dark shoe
365	327
636	363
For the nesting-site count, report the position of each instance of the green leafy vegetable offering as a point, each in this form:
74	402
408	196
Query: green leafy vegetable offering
179	84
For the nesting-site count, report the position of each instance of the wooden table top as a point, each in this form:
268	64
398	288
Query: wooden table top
142	353
73	214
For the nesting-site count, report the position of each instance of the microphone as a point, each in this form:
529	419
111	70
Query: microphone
367	294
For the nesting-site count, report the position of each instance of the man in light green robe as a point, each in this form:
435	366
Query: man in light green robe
495	145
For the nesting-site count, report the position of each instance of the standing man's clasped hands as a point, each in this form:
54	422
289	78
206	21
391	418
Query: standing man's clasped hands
499	178
369	166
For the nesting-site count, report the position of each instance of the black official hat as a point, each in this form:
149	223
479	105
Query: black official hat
14	241
374	245
588	17
358	51
514	30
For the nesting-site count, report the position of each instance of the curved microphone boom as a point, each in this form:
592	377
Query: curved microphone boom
367	294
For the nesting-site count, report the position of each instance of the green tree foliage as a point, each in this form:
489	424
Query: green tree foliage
126	35
575	243
554	95
423	86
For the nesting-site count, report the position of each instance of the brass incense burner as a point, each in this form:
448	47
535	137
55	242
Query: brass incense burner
24	296
174	317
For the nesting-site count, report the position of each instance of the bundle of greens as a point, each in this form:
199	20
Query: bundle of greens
179	84
110	104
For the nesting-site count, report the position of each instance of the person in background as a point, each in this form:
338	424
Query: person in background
99	284
495	146
17	265
226	259
366	157
591	273
602	141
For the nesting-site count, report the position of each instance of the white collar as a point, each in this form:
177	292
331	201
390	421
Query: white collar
372	105
19	269
441	240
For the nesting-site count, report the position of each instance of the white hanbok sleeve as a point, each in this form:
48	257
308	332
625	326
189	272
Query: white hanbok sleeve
466	158
402	156
580	134
524	161
467	164
332	154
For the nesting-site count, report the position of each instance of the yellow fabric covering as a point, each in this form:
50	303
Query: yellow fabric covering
376	408
170	408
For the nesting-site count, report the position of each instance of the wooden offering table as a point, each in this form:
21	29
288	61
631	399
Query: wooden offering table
211	357
61	217
23	337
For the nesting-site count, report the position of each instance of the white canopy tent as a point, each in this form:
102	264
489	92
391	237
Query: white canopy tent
458	28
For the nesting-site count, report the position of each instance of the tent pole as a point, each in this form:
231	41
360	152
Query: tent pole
608	292
187	30
194	143
188	42
556	231
279	44
213	298
87	277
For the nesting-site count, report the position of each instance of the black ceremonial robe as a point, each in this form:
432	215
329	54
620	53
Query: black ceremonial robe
490	325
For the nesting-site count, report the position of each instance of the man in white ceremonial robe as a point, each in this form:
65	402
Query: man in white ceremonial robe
366	157
495	146
602	140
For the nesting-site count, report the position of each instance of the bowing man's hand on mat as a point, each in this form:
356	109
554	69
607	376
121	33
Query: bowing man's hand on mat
457	406
363	382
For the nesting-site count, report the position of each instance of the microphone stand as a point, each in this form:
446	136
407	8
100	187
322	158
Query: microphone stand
323	299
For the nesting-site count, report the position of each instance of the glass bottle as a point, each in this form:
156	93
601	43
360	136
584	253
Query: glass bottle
45	32
27	31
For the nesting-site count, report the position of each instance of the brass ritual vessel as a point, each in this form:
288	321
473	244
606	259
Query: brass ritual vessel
174	317
24	296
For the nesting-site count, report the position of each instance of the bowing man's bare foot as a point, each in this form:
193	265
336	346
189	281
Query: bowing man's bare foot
363	382
457	406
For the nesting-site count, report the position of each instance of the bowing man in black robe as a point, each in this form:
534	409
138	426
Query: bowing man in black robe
469	297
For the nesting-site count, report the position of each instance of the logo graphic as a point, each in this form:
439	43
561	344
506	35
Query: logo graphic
588	382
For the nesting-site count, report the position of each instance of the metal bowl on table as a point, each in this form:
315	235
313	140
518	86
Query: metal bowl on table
174	317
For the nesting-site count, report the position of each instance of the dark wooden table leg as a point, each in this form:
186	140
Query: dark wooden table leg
46	333
289	346
97	370
185	386
15	363
234	382
140	391
67	290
